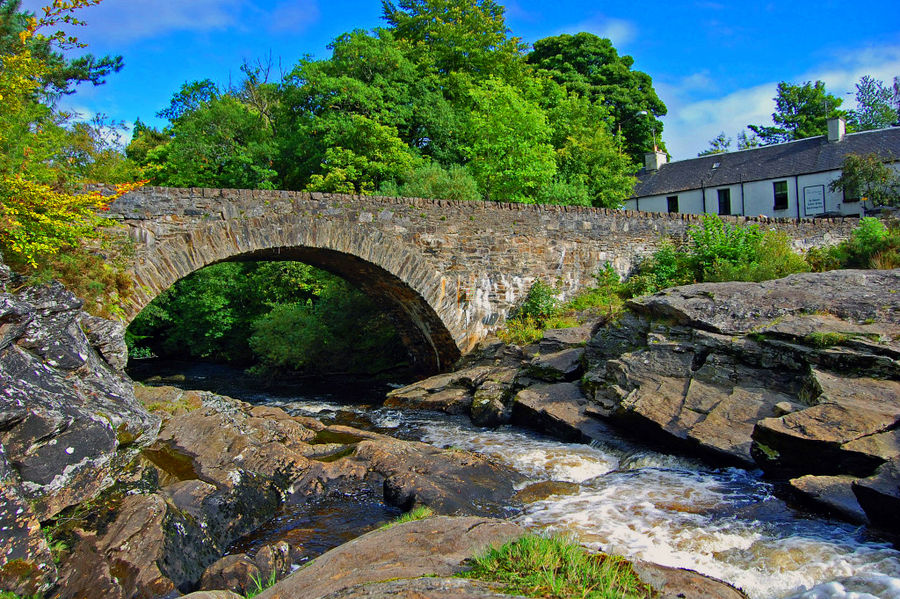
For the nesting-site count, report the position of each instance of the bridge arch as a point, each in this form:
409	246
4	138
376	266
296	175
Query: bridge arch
416	297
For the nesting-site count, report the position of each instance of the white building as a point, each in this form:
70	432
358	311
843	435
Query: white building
787	180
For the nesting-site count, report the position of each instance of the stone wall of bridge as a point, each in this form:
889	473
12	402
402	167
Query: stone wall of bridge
449	271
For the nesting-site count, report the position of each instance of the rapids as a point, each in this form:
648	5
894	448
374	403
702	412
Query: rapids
726	523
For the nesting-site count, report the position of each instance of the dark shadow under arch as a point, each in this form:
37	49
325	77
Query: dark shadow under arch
430	344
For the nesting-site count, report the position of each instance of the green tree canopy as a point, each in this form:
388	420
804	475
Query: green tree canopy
61	74
590	66
874	106
801	111
456	36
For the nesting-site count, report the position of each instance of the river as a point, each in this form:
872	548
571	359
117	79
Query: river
727	523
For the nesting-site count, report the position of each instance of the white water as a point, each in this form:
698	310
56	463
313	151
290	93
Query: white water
673	511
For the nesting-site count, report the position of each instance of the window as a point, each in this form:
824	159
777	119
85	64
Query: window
724	201
851	196
781	195
672	203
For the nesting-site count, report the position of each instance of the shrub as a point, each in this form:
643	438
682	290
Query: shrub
434	181
773	259
540	303
718	251
873	244
521	331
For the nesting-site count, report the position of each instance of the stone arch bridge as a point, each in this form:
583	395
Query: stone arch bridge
449	272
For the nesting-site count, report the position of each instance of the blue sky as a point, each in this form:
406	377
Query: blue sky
714	64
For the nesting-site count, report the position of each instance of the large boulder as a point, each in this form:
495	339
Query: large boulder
409	474
69	416
434	546
69	420
799	375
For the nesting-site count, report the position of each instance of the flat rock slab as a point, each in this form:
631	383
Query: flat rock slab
419	588
558	409
434	546
832	492
736	308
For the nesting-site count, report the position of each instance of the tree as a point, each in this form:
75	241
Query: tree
508	145
874	109
746	142
869	177
456	36
718	145
801	111
40	212
59	75
590	66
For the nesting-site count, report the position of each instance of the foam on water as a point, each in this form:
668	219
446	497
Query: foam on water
706	522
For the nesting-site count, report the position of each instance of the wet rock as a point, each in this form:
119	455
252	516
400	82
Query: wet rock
234	573
491	405
432	547
451	401
27	567
850	430
446	480
678	583
218	439
557	409
879	495
834	493
213	595
545	489
70	418
565	365
418	588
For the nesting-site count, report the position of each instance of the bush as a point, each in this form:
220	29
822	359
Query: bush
773	258
872	245
540	303
718	251
434	181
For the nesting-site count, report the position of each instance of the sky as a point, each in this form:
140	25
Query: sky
715	64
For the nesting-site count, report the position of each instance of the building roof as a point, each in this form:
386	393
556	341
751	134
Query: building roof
811	155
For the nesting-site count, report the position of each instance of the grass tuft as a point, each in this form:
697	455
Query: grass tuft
418	513
558	568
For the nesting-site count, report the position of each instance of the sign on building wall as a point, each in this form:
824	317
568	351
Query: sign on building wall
813	200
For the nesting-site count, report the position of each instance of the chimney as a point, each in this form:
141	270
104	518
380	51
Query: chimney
654	160
837	128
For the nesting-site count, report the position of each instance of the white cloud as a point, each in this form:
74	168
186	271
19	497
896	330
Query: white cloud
122	21
619	31
690	124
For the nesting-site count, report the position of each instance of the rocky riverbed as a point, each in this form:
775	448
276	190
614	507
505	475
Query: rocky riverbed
114	491
797	376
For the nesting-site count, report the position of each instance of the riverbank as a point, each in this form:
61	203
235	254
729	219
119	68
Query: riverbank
141	492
